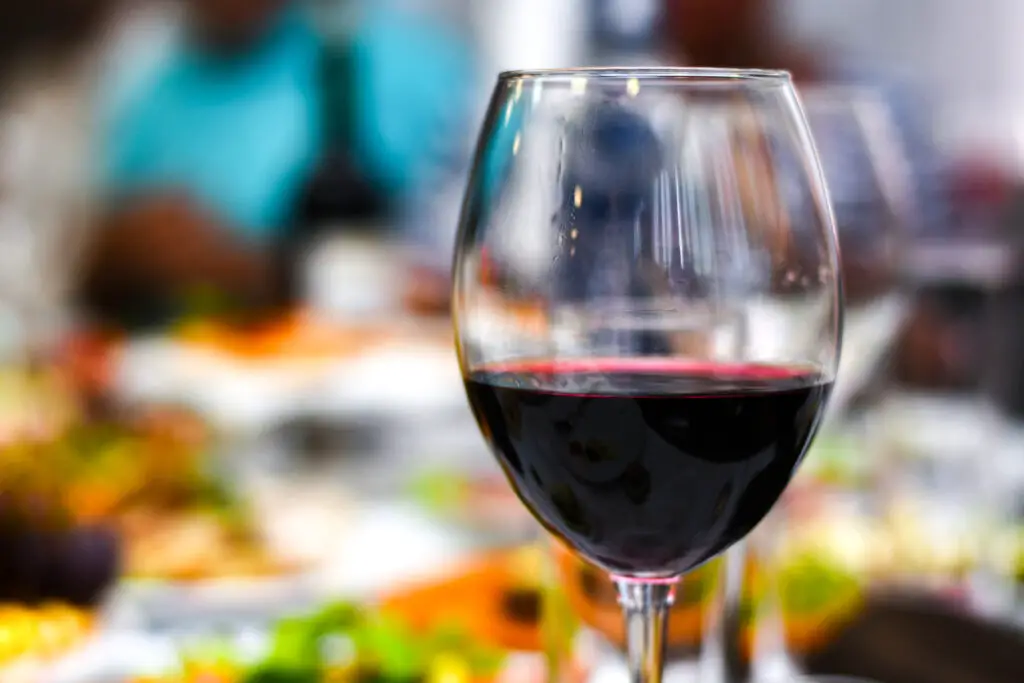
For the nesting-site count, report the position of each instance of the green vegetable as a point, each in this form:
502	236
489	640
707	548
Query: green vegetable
1018	558
373	646
452	639
214	494
810	584
699	586
390	648
339	615
748	610
440	492
295	644
559	625
271	674
838	459
213	653
199	303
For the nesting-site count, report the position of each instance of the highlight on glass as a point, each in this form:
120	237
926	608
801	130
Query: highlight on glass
648	313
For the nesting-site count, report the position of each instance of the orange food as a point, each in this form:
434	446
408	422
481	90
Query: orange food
477	600
298	335
193	547
95	502
90	359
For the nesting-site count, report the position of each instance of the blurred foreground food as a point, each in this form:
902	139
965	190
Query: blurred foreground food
470	628
818	596
83	495
342	642
45	633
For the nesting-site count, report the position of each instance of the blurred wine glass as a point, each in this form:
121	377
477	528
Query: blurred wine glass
870	185
869	182
45	209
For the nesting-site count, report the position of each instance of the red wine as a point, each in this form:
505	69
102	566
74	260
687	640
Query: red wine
648	467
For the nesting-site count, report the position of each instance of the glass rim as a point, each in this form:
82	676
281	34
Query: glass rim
685	74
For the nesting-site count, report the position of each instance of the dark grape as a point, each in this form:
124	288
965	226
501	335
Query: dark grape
85	563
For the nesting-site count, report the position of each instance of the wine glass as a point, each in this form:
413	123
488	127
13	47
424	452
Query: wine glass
870	181
865	159
870	184
621	228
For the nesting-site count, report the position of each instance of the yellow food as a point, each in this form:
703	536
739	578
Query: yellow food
46	633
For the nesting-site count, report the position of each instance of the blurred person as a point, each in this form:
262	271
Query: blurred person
736	34
251	130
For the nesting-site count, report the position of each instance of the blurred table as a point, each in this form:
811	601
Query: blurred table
326	452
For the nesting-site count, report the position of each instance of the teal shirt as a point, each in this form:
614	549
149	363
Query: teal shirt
417	89
240	135
244	135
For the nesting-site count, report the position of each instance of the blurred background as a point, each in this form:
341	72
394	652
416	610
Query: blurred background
233	439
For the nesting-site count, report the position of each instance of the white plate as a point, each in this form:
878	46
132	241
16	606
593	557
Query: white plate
392	381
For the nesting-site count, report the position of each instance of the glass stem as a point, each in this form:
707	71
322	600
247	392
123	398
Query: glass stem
771	657
646	606
722	648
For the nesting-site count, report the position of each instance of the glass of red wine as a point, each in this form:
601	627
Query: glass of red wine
648	309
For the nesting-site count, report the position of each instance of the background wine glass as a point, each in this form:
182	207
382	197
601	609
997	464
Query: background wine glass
646	219
45	209
870	187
